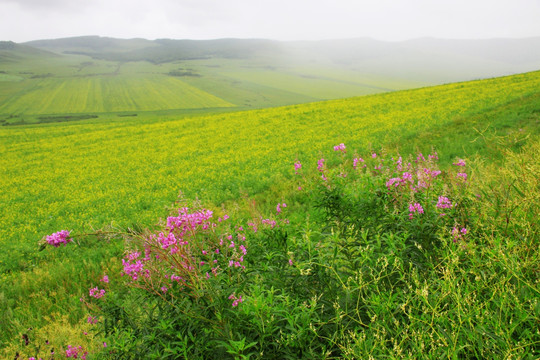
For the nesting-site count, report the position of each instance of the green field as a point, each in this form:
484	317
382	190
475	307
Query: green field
112	170
125	170
76	84
92	75
96	95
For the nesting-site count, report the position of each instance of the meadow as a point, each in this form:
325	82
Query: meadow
44	84
128	171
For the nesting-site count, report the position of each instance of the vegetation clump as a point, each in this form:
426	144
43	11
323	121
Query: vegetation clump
374	255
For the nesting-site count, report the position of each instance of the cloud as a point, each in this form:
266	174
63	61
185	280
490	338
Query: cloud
276	19
48	5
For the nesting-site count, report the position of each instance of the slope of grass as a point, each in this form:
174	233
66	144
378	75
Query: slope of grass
78	175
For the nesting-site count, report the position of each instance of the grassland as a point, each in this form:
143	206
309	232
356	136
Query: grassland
86	174
96	95
37	82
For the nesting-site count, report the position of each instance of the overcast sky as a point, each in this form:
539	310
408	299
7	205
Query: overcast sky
24	20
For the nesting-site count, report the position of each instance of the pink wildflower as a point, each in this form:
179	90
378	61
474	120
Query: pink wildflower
461	162
105	279
297	166
393	182
413	208
236	300
435	173
97	293
444	203
243	249
58	238
340	147
75	352
407	177
132	269
458	234
320	165
356	161
463	176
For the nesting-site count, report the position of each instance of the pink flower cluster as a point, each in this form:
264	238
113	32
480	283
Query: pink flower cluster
340	147
458	234
460	162
270	222
76	352
236	300
297	167
97	293
405	179
321	167
444	203
186	221
134	266
183	226
356	161
413	208
58	238
279	206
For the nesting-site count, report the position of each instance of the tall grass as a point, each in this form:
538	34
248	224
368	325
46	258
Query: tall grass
373	255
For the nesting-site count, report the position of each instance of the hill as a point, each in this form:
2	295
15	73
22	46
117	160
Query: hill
126	172
462	58
12	52
90	75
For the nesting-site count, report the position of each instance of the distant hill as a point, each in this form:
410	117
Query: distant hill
92	74
427	60
156	51
10	51
91	44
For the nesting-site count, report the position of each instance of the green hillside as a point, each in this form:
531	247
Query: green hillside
86	76
120	167
84	175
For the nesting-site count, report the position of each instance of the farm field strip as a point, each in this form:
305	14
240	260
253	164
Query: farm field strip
107	94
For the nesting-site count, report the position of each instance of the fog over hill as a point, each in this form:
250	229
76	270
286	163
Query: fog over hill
427	59
93	74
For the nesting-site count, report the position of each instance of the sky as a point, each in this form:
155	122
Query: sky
390	20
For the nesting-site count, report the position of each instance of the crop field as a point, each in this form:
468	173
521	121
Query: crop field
79	84
94	95
85	175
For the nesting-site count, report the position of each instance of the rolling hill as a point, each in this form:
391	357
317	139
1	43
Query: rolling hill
126	172
211	75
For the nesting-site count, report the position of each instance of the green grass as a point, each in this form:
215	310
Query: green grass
82	95
45	84
130	169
